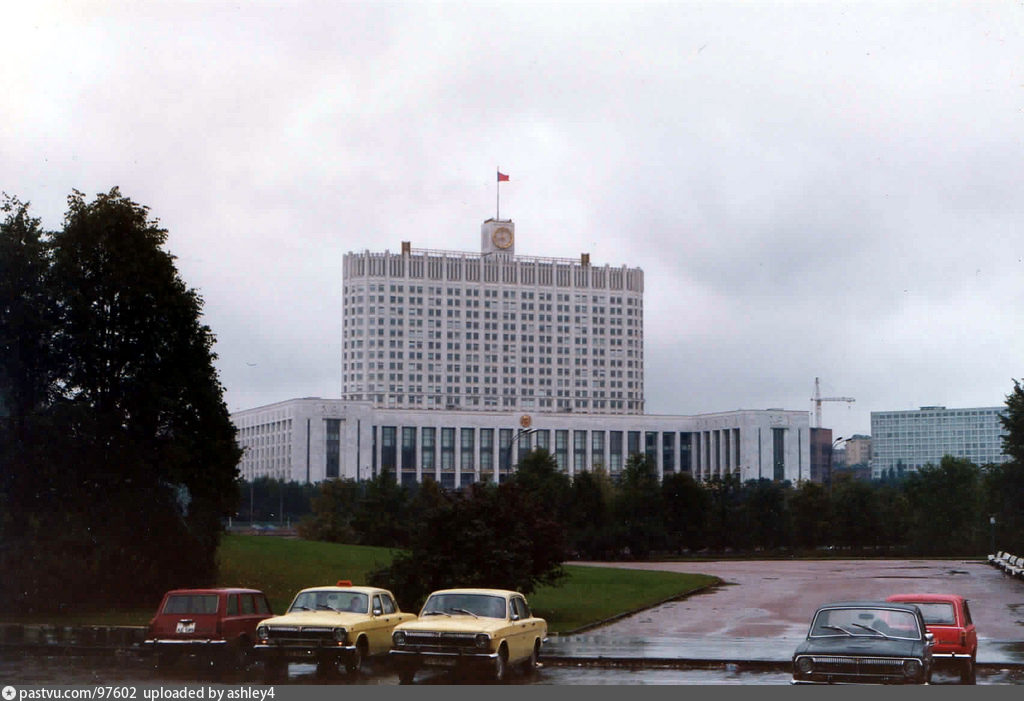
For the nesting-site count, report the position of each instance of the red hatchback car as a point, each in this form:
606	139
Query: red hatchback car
948	618
219	624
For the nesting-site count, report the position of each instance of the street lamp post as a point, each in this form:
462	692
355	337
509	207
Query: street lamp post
519	434
830	456
992	530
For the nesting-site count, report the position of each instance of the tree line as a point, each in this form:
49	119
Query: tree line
118	457
518	533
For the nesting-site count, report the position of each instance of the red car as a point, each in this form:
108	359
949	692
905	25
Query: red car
219	624
948	618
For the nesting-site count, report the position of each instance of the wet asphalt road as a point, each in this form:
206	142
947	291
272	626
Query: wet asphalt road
757	614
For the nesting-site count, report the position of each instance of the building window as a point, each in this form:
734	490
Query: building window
633	444
685	448
409	448
651	447
615	452
466	450
779	453
597	450
388	449
332	447
486	452
562	449
505	449
428	457
448	450
579	451
668	452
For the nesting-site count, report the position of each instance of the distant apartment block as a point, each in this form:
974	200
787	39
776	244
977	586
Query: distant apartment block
858	451
903	441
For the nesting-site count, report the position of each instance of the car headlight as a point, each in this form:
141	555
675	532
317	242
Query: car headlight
805	665
263	632
340	634
483	641
398	638
912	668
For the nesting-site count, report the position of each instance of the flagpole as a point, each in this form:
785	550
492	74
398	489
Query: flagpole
497	203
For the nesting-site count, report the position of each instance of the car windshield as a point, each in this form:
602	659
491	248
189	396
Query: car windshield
329	600
862	621
939	613
479	605
191	603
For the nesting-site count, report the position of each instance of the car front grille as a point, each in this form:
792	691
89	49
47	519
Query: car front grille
437	641
870	666
301	636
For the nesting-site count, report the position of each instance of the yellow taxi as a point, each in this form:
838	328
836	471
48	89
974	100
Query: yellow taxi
489	629
333	626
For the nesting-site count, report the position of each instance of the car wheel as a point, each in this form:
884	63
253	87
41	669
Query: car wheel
533	661
164	659
968	672
501	665
237	655
273	670
326	666
354	664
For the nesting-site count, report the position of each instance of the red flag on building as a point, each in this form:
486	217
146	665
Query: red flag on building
502	177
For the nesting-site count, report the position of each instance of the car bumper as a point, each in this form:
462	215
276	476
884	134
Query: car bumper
441	658
266	651
171	644
854	679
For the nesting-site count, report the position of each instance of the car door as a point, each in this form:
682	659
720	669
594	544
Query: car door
522	629
971	633
382	611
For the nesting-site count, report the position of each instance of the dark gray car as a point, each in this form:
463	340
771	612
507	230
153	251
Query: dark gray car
865	642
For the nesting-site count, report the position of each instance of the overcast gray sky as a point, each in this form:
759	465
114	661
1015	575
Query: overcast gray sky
818	189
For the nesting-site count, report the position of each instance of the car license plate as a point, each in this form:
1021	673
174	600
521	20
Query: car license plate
442	661
186	627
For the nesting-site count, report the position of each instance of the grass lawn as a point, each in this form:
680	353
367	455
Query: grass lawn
282	566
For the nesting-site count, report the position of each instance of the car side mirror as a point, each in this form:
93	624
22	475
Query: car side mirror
515	617
930	637
377	612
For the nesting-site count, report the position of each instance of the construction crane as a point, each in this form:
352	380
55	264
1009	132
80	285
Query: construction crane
818	399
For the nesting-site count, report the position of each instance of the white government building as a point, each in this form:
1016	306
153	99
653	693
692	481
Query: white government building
452	361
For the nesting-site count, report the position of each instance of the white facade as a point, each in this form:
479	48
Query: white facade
453	361
312	439
492	331
908	440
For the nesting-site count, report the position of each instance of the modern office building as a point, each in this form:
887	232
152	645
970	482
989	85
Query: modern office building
492	330
456	364
902	441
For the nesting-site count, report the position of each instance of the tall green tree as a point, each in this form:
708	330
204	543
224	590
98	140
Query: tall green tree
333	512
855	521
484	536
593	534
811	513
136	419
686	505
763	515
26	315
382	515
1004	484
638	507
945	507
